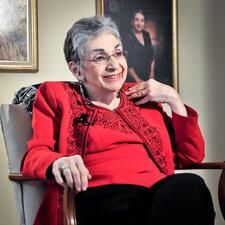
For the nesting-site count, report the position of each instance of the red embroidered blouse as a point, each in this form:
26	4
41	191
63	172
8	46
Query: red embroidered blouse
130	145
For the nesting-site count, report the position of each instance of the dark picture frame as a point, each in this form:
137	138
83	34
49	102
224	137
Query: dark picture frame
160	22
18	36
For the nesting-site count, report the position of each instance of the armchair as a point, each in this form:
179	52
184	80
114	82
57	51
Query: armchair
16	126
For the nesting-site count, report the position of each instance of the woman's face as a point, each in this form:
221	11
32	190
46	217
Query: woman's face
104	67
138	22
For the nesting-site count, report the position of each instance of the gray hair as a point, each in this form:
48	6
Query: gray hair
82	31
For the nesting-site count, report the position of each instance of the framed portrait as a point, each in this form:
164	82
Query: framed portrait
148	29
18	36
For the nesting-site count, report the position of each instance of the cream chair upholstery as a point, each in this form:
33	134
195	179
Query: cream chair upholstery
16	126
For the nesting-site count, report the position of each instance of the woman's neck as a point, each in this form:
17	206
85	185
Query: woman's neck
139	37
137	32
111	106
104	99
109	100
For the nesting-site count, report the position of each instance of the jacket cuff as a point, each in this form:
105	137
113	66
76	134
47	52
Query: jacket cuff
185	125
192	115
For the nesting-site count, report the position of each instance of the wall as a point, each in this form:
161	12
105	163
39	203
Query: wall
201	70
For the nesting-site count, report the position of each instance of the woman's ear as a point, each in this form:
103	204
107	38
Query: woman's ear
75	69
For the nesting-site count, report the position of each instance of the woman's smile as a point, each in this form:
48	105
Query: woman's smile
113	77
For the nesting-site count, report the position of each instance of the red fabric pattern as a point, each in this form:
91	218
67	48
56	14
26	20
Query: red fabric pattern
74	138
151	136
106	120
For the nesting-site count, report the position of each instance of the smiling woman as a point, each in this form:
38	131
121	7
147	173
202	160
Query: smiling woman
107	67
112	141
139	45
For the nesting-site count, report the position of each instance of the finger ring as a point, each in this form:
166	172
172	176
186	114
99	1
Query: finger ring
64	167
142	93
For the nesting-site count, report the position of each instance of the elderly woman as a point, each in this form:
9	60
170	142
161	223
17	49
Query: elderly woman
113	142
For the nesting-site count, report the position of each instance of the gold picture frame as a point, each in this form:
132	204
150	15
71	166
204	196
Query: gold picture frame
19	36
120	10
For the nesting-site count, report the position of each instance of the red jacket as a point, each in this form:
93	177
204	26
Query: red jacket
61	122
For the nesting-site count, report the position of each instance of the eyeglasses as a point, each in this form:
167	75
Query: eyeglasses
103	58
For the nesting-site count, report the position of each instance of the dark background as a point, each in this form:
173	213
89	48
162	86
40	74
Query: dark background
158	19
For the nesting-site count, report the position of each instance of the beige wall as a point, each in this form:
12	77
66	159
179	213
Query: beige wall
201	68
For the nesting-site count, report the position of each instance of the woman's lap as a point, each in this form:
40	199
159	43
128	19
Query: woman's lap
111	203
178	199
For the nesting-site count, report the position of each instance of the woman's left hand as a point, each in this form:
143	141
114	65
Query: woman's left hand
152	90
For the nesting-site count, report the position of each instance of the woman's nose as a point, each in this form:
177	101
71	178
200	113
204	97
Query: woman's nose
112	63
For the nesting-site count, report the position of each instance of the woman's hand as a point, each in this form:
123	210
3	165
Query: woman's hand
155	91
73	171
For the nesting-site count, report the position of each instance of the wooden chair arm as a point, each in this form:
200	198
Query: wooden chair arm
18	177
69	215
208	165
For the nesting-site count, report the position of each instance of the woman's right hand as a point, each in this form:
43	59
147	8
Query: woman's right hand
71	169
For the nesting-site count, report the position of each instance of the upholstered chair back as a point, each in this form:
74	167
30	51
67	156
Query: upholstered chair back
16	127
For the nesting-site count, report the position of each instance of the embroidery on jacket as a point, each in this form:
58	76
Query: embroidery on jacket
111	121
74	139
150	133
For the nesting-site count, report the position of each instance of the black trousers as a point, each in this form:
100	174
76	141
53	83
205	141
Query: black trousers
181	199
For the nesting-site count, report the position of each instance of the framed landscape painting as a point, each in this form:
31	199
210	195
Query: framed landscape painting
18	36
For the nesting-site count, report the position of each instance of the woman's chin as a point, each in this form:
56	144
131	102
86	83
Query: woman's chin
114	87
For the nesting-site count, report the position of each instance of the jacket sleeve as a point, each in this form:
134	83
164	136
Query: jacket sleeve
186	138
42	148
